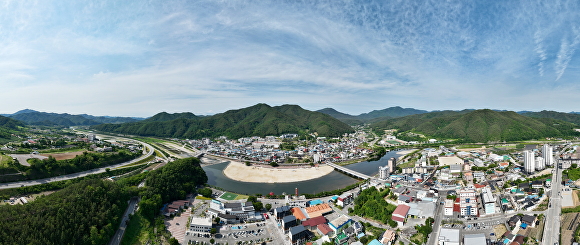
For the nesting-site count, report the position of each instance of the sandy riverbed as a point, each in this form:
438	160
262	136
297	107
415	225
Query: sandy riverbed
240	172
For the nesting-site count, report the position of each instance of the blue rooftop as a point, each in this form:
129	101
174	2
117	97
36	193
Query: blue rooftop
375	242
315	202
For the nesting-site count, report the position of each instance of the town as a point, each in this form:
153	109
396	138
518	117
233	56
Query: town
434	195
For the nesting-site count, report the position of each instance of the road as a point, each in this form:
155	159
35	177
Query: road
118	237
147	151
552	225
439	212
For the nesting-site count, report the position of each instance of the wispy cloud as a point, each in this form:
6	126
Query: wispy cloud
139	58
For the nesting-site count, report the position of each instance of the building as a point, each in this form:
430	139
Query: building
200	224
318	210
289	221
281	212
547	155
540	163
474	239
388	237
339	223
344	199
400	214
392	164
324	230
467	202
227	218
298	213
298	234
383	172
448	237
529	161
448	207
488	201
313	223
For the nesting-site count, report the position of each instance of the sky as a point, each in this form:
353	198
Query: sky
138	58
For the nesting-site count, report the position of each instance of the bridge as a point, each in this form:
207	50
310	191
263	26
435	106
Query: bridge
348	171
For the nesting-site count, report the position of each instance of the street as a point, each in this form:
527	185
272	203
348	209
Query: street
116	239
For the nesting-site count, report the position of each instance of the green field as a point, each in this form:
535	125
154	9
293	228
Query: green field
229	196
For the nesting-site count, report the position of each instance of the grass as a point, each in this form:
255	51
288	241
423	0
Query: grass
229	196
241	197
5	160
202	198
139	231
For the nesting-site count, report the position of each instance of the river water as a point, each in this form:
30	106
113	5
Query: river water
329	182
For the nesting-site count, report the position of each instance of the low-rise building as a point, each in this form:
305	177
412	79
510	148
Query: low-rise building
400	214
448	237
298	234
199	224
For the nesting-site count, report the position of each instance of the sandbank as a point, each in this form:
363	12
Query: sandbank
256	174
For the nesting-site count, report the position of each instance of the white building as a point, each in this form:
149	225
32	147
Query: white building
467	202
448	237
449	207
529	161
540	163
488	200
383	172
547	155
200	224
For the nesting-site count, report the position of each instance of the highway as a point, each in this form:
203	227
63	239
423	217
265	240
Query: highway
552	226
147	151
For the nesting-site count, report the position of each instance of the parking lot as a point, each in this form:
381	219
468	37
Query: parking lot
474	226
231	234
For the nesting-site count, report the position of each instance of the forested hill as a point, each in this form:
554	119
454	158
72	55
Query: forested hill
7	127
164	116
480	126
373	116
568	117
257	120
65	119
88	212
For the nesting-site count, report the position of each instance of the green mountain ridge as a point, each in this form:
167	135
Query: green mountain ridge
480	125
64	119
164	116
257	120
373	116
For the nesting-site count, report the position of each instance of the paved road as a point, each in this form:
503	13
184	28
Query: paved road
147	151
439	212
552	225
118	237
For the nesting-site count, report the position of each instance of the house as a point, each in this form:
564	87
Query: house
280	212
298	213
529	220
514	220
537	184
324	230
288	221
312	224
388	237
344	199
298	234
400	214
448	207
403	199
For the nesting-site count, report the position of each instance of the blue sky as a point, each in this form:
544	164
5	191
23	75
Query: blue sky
137	58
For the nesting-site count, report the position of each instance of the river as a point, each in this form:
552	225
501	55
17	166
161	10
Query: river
332	181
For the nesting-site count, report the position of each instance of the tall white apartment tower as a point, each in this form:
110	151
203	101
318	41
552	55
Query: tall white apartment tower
540	164
383	172
547	155
529	161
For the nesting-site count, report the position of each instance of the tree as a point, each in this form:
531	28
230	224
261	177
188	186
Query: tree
268	206
574	165
213	231
217	220
173	241
206	192
212	241
274	164
248	163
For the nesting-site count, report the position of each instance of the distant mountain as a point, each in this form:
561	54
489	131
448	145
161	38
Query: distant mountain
568	117
164	116
343	117
373	116
257	120
64	119
391	112
480	126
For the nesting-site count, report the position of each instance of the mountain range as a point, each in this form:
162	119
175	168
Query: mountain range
257	120
373	116
64	119
483	125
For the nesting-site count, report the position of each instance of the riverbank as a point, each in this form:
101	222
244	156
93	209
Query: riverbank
256	174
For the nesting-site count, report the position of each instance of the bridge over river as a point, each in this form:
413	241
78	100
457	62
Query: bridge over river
349	171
